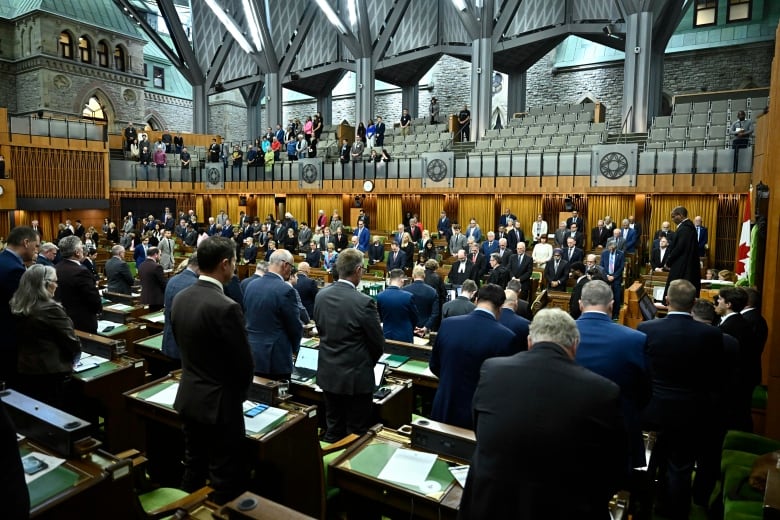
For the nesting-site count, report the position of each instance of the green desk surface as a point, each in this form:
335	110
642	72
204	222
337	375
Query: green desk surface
415	366
372	459
101	369
51	484
154	317
115	331
154	342
149	392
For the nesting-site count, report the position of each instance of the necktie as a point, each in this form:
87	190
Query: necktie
537	230
556	266
474	258
611	263
625	233
698	233
571	252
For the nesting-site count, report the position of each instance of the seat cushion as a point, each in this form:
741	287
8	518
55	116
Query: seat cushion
160	497
330	491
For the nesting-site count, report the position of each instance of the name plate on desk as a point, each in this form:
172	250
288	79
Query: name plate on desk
410	350
100	345
263	390
443	439
45	424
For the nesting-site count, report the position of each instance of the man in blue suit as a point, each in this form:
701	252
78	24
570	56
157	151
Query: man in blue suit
490	245
426	299
514	322
364	236
397	258
139	253
444	226
612	263
617	353
630	236
462	344
21	247
272	319
701	236
175	285
397	310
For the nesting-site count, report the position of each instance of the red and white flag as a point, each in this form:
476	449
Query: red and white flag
743	251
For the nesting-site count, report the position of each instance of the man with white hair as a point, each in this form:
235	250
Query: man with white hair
582	420
46	254
118	272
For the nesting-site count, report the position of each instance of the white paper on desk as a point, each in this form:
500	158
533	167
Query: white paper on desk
98	360
408	467
158	319
104	324
121	307
417	340
264	419
427	372
51	463
165	396
460	473
383	358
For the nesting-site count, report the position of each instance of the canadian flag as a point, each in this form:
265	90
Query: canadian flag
743	251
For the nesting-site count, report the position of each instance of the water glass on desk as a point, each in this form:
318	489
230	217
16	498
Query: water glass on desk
284	389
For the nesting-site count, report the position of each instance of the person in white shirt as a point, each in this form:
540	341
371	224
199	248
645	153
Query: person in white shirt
542	251
538	228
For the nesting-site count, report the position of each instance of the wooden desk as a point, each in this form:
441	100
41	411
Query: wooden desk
155	320
263	509
150	348
128	333
356	472
281	458
94	486
321	275
99	394
772	495
129	299
122	312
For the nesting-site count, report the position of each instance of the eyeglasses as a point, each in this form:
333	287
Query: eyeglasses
291	265
52	281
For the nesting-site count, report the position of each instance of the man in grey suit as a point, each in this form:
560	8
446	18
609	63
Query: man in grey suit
458	240
118	272
167	246
462	304
214	381
351	342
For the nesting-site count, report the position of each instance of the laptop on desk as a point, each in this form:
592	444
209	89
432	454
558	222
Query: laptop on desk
380	391
305	367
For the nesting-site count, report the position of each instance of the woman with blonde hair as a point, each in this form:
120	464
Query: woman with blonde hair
46	357
408	247
727	276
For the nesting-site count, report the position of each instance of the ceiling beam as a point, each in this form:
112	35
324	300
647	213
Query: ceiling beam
297	41
180	40
391	26
504	19
265	36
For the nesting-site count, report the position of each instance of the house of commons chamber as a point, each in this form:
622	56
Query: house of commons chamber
355	259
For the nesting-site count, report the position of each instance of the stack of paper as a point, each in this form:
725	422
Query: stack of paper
265	421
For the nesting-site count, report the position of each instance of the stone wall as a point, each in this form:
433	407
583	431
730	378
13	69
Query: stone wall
173	113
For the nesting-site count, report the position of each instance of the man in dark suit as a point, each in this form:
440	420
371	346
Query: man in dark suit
140	251
76	288
118	272
340	240
514	235
426	300
460	270
272	319
683	260
376	251
599	235
462	304
250	251
306	287
561	233
612	263
444	227
556	271
20	247
617	353
685	361
461	346
521	267
731	302
175	285
752	314
490	245
510	319
214	381
498	274
629	235
659	256
578	272
701	236
47	254
152	280
397	258
572	253
581	413
13	489
397	310
576	234
351	342
575	219
666	231
479	264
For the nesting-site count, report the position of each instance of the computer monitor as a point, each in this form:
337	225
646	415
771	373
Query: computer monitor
647	307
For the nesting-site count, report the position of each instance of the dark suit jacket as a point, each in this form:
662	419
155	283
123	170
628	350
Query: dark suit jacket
351	339
77	292
683	259
15	495
50	342
521	268
118	273
376	253
314	258
462	344
579	240
307	289
618	353
499	275
655	258
426	299
576	295
514	236
561	274
457	307
759	325
685	362
175	285
139	255
11	271
272	324
444	227
631	238
577	256
599	237
398	314
340	242
394	262
701	240
749	361
456	277
580	223
152	282
517	324
214	381
581	420
478	267
620	261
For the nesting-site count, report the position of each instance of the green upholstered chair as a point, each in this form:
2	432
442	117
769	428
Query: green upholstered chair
740	450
